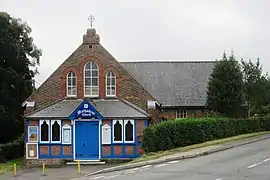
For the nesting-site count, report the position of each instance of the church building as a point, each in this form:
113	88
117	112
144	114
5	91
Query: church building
93	107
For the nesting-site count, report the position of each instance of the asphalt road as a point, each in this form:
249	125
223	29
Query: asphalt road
246	162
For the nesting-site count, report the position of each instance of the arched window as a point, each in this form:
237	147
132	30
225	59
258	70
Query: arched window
117	131
110	84
91	79
129	130
44	131
56	131
71	84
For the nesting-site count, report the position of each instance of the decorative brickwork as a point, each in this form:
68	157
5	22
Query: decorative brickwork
55	150
44	150
106	150
67	150
118	150
129	150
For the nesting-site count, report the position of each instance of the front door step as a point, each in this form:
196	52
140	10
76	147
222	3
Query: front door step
96	162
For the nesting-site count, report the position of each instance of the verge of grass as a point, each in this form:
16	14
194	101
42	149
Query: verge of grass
155	155
8	166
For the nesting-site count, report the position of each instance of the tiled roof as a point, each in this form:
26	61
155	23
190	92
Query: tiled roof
173	83
111	108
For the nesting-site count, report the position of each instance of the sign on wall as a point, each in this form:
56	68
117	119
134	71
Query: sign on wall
106	134
86	111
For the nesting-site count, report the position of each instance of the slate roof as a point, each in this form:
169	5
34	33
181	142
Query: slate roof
173	83
111	108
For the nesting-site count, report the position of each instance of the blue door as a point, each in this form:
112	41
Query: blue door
86	140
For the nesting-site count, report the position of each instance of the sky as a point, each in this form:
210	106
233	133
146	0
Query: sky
136	30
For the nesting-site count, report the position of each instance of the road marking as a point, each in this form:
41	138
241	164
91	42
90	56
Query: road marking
172	162
110	177
98	177
146	166
219	178
161	165
256	164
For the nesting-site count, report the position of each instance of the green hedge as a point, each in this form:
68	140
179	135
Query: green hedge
178	133
12	150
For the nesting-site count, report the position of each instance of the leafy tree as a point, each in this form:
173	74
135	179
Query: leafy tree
19	58
256	85
225	87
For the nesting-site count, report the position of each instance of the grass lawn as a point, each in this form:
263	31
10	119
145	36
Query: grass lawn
8	166
155	155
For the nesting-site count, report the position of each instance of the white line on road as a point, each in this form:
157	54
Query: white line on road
160	165
172	162
98	177
219	178
146	166
256	164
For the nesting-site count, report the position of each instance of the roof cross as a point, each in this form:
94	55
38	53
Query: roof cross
91	18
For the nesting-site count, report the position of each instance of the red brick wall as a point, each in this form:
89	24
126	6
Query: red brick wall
33	123
55	150
106	122
171	113
117	149
106	150
44	150
67	150
129	150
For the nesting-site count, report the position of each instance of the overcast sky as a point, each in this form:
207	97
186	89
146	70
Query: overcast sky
148	29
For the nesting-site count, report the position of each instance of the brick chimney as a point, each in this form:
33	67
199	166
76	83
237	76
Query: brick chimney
91	37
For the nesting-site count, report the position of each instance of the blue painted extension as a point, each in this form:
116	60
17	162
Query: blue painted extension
86	140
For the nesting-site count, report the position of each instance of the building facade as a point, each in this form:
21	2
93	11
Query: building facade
94	107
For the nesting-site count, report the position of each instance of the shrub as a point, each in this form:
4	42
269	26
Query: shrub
12	150
178	133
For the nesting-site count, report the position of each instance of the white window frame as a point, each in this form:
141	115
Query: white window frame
72	85
29	134
179	112
60	134
66	127
124	129
121	122
40	123
91	76
110	85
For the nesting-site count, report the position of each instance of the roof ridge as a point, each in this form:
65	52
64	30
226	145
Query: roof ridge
167	61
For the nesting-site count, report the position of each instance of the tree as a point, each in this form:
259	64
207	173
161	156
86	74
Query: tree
225	88
256	85
19	58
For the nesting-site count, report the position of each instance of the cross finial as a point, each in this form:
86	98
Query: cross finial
91	18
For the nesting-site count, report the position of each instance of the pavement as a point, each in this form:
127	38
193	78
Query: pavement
218	163
246	162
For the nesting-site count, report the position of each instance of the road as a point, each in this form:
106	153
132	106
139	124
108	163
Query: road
246	162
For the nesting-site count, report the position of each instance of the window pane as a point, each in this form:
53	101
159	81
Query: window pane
108	91
113	90
55	131
74	81
94	65
87	73
108	81
117	131
87	66
113	81
69	81
66	136
69	91
44	131
129	131
87	91
94	73
94	81
94	90
87	82
73	90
